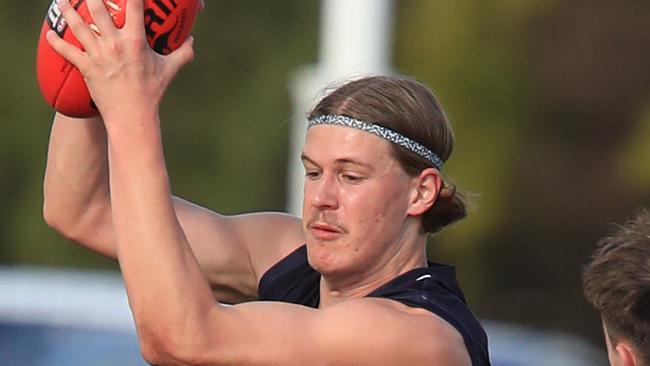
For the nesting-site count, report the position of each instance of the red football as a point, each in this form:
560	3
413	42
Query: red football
167	25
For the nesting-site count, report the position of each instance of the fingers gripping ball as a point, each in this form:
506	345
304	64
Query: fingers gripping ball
167	25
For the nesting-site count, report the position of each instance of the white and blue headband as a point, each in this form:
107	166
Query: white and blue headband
377	130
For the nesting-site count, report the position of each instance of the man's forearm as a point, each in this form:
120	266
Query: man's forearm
166	288
76	191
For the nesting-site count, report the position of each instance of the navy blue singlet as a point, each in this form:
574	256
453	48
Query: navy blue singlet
432	288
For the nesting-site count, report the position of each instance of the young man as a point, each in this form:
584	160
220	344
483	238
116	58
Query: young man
359	292
617	283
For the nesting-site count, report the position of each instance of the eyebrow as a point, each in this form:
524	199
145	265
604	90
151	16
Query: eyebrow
341	161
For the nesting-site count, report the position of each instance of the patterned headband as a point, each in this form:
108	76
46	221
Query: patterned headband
383	132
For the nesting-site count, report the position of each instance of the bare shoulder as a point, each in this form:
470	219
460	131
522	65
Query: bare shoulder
268	237
383	331
234	251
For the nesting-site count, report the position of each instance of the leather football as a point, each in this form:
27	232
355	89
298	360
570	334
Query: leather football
167	25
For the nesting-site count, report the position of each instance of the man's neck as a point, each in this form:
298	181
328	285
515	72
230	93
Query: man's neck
335	289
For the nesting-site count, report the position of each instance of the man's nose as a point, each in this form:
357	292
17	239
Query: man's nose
324	193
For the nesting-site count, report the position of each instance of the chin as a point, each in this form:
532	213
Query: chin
322	259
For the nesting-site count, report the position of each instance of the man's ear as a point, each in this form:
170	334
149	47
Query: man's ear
424	191
625	354
620	351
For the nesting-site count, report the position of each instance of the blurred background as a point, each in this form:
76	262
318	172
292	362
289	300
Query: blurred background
550	101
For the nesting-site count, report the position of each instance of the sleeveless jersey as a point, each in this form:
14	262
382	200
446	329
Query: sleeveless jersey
433	288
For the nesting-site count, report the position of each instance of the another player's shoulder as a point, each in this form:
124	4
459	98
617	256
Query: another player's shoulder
389	330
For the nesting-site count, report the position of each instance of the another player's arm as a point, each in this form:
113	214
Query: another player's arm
233	251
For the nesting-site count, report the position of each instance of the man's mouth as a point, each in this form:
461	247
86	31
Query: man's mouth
323	231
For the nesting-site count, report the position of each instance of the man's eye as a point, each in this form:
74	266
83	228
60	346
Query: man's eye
352	178
312	174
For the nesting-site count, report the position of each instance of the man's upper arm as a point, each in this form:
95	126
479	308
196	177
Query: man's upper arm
356	332
385	332
235	251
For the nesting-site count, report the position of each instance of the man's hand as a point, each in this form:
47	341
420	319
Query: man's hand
122	72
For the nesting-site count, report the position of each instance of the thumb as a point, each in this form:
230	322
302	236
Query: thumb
181	56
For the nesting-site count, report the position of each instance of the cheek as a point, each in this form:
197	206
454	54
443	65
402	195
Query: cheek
374	211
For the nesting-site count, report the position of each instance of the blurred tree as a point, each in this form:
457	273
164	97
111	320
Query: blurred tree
548	100
591	85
